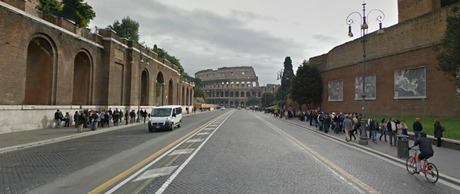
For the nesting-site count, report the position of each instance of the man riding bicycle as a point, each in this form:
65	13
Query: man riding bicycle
426	151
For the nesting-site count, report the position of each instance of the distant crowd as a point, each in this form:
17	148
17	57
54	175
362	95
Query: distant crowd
97	118
349	123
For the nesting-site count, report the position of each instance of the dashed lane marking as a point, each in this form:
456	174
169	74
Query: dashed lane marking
156	173
181	151
195	140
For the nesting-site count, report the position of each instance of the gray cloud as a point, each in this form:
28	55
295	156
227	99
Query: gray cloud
323	38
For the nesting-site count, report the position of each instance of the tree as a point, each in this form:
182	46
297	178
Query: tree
162	53
268	99
253	102
128	28
286	79
449	57
77	11
200	93
50	7
307	87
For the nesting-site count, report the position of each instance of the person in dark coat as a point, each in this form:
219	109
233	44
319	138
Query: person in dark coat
438	129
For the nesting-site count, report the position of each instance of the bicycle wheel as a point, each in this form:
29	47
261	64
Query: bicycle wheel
410	165
433	174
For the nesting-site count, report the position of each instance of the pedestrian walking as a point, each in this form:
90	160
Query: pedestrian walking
327	123
132	114
94	117
126	116
393	130
402	127
82	121
417	127
76	116
438	129
383	129
373	128
67	119
347	125
57	118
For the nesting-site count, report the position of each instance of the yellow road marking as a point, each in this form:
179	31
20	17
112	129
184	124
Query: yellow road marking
325	160
124	174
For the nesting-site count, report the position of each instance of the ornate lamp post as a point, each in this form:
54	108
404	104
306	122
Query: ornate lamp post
279	76
364	26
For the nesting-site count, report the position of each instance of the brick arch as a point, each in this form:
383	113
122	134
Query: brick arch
170	92
41	71
159	89
82	78
145	77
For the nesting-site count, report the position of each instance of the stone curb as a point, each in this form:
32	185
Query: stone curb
392	158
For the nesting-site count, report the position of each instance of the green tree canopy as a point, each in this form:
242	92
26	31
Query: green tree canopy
50	7
288	75
200	93
268	99
253	102
449	56
128	28
162	53
77	11
307	87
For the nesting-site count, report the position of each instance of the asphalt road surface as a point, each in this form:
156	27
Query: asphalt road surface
232	151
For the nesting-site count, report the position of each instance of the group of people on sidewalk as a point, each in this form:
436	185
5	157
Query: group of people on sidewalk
349	123
98	118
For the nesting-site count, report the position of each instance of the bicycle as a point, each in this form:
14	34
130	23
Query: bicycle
428	168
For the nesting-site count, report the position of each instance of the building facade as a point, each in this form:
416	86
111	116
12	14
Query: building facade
232	86
401	76
48	63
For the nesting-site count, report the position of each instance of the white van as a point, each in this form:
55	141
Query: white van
165	118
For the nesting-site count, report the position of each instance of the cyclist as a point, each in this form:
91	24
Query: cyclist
426	151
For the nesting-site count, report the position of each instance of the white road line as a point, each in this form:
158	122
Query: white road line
156	173
203	133
181	167
209	129
319	161
181	151
195	140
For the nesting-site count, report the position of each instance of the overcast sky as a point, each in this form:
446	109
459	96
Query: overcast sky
208	34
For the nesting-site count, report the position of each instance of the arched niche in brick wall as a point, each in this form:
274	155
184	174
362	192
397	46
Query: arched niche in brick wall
145	87
183	95
82	67
170	92
159	89
41	71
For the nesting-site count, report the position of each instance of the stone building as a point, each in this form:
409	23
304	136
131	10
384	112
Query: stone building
401	76
48	63
232	86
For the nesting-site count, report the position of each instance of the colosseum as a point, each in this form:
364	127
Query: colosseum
233	86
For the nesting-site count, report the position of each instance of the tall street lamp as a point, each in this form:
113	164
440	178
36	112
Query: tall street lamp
364	26
279	76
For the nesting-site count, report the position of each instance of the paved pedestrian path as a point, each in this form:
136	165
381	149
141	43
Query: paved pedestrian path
445	159
30	138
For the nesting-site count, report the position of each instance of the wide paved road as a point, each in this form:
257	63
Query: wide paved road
232	151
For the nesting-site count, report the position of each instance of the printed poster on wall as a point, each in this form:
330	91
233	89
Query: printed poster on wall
335	90
370	90
410	83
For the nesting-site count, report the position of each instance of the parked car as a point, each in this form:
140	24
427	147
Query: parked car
222	109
